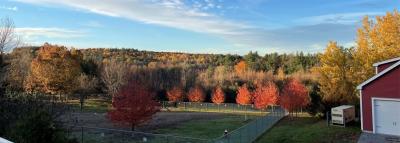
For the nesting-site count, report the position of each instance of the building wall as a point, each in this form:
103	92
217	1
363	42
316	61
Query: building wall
386	86
384	66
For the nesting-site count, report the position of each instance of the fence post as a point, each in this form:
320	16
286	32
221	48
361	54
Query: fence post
81	134
327	118
245	113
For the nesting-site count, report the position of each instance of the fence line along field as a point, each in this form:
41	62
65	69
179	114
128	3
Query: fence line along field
178	121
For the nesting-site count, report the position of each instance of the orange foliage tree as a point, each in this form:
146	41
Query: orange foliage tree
175	94
240	67
53	71
265	95
218	95
294	96
196	94
133	104
243	96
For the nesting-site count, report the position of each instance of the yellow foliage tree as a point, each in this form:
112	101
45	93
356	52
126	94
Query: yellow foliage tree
336	80
281	74
53	71
376	41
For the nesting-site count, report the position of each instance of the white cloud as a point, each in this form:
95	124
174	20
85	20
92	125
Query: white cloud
31	33
14	8
171	13
177	14
338	18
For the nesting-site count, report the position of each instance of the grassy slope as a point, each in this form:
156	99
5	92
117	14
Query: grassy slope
309	130
206	129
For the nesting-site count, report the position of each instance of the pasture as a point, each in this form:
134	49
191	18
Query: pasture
175	124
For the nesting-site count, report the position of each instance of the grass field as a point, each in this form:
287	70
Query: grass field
169	126
207	129
92	105
306	129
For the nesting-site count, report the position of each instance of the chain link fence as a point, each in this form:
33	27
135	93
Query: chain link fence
251	131
211	107
84	134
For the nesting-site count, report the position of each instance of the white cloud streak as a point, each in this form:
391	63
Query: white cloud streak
339	18
14	8
171	13
30	33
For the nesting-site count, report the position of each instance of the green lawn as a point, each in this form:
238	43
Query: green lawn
207	129
306	129
92	105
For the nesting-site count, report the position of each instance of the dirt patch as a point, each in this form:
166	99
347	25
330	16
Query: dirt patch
159	120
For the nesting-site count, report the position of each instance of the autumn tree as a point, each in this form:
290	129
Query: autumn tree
336	76
175	94
281	74
18	68
86	85
265	95
133	104
53	71
294	96
240	67
218	95
243	95
114	75
377	40
196	94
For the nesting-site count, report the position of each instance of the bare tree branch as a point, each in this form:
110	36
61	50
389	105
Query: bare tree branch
114	75
8	36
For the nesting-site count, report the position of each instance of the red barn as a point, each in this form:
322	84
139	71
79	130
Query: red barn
380	99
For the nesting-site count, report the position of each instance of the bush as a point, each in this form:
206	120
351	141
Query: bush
37	127
28	118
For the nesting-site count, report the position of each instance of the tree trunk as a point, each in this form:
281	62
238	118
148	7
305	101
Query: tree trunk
133	127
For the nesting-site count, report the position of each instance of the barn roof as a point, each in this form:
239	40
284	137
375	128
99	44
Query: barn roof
380	73
386	61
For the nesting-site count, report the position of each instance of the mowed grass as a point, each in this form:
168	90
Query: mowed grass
92	105
211	110
207	128
306	129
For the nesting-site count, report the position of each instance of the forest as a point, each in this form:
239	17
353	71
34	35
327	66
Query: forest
330	77
94	69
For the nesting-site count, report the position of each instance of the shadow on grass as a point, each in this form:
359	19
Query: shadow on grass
307	129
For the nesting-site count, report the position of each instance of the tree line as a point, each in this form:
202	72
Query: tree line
54	69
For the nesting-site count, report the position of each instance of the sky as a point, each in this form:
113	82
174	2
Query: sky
194	26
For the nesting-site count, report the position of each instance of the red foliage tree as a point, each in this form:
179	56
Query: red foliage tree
196	94
266	95
175	94
294	96
218	95
133	105
243	96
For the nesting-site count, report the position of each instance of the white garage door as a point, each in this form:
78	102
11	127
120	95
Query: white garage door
387	117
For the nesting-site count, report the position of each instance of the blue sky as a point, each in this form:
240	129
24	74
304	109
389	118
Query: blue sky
195	26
